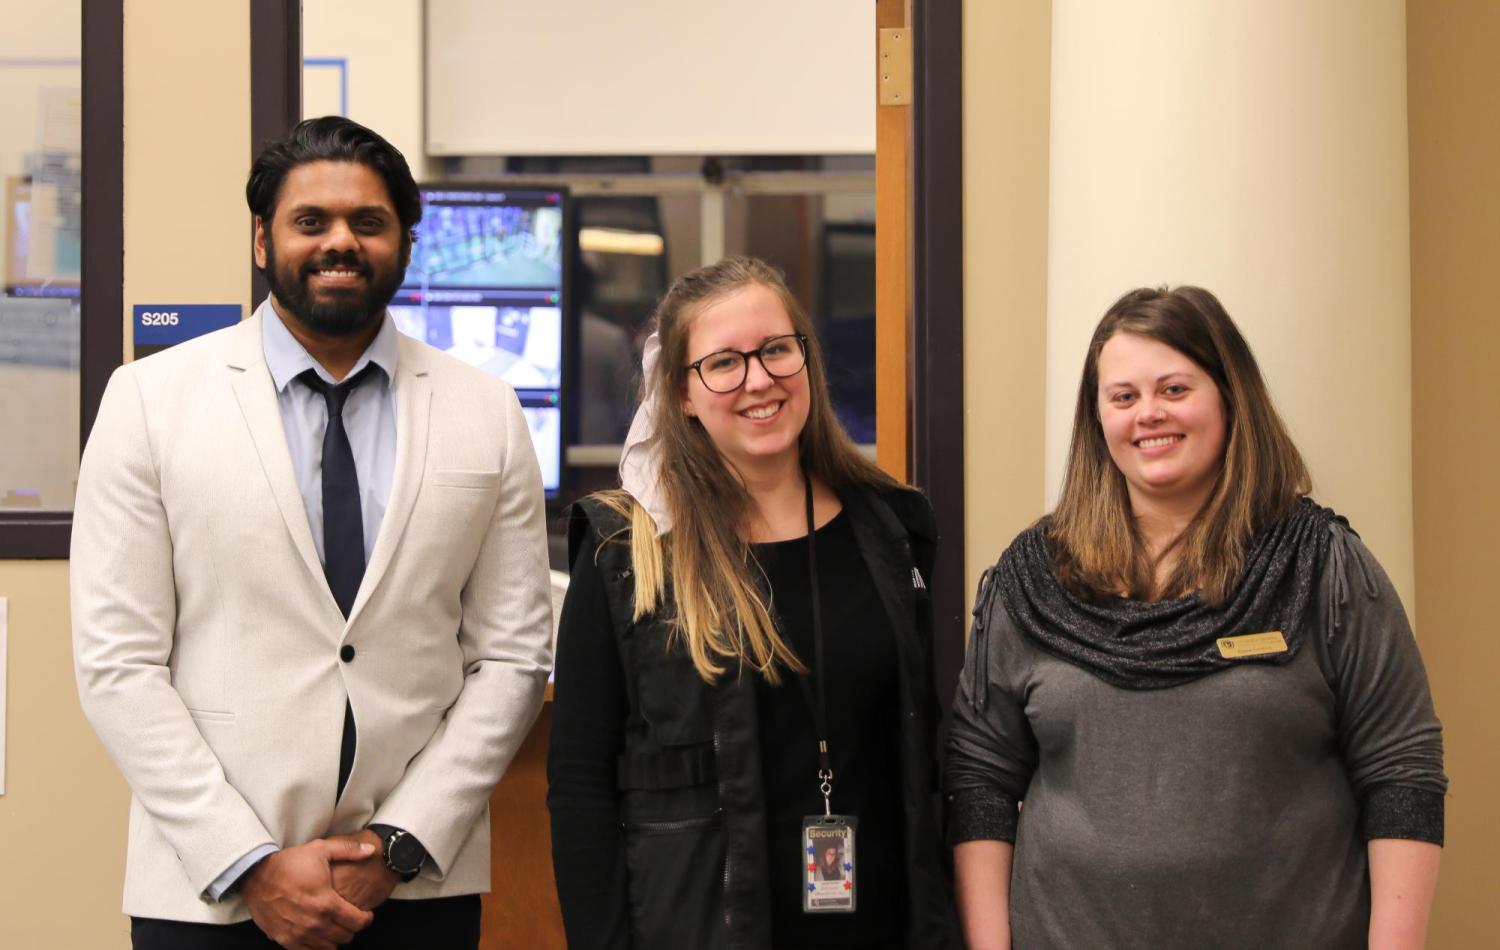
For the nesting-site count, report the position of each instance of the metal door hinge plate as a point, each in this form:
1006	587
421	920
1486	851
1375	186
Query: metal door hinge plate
894	67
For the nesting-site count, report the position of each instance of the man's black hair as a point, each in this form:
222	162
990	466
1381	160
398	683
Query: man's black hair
333	138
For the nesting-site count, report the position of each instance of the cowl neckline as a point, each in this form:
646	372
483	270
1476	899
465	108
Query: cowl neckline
1139	645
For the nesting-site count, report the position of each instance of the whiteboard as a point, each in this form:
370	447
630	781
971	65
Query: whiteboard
650	77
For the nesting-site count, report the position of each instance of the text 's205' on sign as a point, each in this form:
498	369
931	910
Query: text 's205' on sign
158	326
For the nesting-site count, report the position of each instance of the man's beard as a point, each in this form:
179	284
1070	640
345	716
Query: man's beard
338	314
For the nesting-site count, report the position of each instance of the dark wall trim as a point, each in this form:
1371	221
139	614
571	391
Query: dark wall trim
937	385
46	534
275	85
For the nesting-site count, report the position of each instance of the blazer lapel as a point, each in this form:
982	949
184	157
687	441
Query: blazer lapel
413	393
256	393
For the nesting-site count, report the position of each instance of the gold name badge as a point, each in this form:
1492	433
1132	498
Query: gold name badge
1251	644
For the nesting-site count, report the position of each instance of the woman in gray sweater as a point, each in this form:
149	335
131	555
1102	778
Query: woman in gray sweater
1201	683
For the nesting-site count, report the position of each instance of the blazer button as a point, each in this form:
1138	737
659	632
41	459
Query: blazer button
346	653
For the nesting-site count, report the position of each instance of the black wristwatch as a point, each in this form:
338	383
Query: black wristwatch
403	853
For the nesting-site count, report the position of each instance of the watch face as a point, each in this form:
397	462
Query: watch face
405	855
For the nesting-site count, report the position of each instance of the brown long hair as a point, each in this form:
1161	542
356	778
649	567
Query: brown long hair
719	610
1095	546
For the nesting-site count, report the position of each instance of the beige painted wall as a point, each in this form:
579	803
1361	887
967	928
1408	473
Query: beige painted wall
187	152
187	145
1006	63
63	812
381	42
1259	150
1454	83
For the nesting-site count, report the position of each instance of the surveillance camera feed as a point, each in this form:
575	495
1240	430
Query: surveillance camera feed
485	284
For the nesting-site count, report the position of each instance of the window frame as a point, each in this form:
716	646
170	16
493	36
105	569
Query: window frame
275	87
41	534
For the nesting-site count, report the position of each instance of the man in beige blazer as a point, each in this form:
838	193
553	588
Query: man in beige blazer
311	613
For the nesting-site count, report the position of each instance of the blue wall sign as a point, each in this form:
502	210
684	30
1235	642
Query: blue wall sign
157	325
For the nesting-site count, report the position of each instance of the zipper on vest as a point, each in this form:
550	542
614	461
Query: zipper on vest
728	839
678	824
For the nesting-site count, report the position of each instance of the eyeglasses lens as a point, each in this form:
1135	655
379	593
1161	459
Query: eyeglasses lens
781	357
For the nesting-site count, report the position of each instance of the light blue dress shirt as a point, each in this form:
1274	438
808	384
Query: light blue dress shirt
369	420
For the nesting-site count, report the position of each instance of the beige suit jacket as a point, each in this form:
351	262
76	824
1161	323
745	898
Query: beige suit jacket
207	644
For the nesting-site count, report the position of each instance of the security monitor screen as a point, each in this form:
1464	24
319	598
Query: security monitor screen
485	284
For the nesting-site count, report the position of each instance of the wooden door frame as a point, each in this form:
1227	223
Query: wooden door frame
932	280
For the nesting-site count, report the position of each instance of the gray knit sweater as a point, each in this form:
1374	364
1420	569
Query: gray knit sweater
1230	811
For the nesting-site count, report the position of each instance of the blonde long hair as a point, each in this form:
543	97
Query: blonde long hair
719	605
1095	546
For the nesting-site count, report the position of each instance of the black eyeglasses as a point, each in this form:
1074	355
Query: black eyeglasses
724	371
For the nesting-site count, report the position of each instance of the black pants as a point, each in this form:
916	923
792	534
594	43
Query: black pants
441	923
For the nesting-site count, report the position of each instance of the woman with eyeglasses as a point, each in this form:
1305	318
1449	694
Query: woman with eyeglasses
1199	683
743	671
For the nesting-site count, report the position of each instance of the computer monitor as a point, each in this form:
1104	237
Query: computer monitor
486	284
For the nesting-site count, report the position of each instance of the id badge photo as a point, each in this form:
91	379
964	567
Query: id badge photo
830	863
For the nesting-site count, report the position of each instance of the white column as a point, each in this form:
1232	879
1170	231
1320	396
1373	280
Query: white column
1259	150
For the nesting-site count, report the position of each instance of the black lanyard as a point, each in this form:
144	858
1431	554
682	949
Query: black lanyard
819	704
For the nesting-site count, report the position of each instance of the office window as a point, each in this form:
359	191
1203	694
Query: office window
41	165
61	228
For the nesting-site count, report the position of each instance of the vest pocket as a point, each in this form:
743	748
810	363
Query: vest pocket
675	868
675	702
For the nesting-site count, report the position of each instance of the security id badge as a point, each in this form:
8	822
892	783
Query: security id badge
828	846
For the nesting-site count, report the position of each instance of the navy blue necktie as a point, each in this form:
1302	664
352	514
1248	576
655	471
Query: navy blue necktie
343	524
